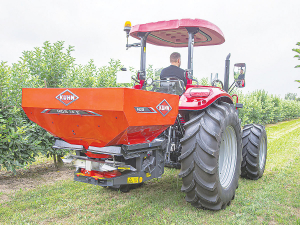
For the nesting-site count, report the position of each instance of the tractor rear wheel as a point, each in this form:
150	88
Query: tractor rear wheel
211	157
254	151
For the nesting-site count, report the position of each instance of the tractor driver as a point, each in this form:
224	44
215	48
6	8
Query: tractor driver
241	79
242	75
174	69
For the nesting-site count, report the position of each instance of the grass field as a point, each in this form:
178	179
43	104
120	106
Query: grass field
274	199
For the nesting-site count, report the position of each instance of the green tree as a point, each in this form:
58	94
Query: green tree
290	96
19	140
297	56
91	76
204	81
3	74
298	51
50	62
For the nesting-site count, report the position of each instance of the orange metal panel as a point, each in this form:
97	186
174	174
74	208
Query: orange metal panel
100	116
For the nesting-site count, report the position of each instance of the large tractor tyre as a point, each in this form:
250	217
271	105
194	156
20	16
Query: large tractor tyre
211	157
254	151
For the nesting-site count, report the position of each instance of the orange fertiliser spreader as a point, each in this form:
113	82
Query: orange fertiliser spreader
100	116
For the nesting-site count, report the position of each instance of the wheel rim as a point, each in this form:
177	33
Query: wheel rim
262	153
227	157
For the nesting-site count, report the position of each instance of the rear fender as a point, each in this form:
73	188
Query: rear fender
190	102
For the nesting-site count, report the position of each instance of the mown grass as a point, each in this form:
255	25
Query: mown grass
274	199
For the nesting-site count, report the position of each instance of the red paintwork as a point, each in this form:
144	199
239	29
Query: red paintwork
137	86
98	156
189	81
118	124
141	84
237	98
187	102
98	174
173	33
182	120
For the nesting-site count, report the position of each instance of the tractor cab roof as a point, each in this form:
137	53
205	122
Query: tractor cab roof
173	33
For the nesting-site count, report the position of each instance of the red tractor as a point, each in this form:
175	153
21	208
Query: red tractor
123	136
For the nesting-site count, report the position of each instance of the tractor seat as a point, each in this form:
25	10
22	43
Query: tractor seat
172	85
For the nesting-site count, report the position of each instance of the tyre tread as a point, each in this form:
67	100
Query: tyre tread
200	176
252	134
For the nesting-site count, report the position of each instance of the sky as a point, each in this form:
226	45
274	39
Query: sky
259	33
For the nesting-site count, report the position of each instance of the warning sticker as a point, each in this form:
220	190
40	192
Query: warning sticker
132	180
148	174
123	168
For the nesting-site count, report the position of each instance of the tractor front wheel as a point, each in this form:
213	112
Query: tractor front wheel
254	151
211	156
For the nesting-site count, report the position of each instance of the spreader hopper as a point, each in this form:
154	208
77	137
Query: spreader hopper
101	116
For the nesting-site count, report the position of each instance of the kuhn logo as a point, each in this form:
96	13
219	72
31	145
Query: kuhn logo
67	97
164	108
